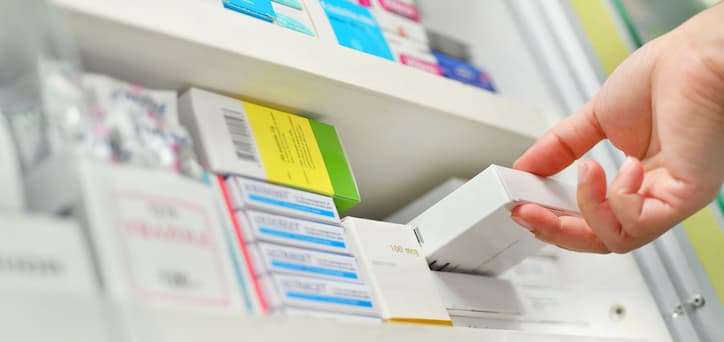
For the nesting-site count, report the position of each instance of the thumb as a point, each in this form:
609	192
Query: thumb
563	144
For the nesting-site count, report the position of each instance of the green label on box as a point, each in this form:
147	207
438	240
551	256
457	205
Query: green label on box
343	183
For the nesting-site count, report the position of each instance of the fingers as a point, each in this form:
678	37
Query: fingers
623	195
566	231
620	219
563	144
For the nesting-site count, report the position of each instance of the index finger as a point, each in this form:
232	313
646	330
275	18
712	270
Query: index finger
563	144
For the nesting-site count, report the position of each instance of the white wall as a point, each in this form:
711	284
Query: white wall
496	45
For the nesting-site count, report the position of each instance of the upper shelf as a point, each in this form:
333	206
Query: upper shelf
404	130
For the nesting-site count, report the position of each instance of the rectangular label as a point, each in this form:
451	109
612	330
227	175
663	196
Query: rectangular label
355	28
251	194
44	254
260	9
170	250
294	232
241	136
283	259
420	64
392	263
402	8
289	149
320	294
290	205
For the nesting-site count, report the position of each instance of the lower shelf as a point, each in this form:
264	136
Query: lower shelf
44	317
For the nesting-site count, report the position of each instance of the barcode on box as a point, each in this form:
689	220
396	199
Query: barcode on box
241	135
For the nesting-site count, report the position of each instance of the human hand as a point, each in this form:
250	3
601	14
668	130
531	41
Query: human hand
664	108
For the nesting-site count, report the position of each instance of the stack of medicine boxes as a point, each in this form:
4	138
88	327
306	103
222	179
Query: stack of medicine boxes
293	239
405	34
298	251
291	14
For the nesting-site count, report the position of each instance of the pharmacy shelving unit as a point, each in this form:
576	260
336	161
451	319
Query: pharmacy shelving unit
405	131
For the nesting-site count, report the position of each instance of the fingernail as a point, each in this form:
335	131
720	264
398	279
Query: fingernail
522	222
582	170
627	163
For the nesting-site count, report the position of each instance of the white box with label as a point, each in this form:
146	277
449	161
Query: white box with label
261	226
283	291
12	196
158	238
399	25
471	230
394	267
276	259
48	287
39	253
247	193
240	262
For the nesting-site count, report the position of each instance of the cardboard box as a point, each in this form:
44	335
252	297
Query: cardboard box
260	9
295	4
404	8
464	72
246	193
260	226
293	18
232	137
394	23
275	259
394	267
158	239
246	281
356	28
287	291
471	230
413	54
45	254
49	290
12	196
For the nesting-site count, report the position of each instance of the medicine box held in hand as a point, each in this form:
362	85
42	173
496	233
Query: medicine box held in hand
240	138
471	231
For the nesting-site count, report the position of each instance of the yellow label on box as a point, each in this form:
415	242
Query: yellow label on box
288	149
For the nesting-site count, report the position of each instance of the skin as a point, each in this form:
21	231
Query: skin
664	108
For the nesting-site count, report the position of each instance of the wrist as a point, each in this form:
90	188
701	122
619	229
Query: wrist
705	34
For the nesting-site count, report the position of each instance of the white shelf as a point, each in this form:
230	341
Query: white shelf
95	319
405	131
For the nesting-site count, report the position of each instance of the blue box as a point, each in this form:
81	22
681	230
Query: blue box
458	70
260	9
356	28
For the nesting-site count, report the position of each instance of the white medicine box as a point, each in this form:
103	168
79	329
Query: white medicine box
393	266
471	231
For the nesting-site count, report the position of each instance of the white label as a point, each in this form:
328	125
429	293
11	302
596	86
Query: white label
44	254
170	249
